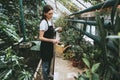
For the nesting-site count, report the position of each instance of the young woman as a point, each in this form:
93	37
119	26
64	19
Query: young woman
46	36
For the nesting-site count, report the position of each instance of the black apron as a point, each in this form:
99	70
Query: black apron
46	48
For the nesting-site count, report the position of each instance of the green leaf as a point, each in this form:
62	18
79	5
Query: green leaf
95	76
81	78
88	74
100	29
114	71
86	62
2	65
117	24
95	67
25	75
114	11
12	34
3	17
7	74
2	74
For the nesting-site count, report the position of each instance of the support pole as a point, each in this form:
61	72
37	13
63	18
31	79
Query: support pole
22	20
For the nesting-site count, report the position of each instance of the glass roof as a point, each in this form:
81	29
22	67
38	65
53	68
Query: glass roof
61	8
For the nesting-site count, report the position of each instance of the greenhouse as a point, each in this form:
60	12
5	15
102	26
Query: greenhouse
59	39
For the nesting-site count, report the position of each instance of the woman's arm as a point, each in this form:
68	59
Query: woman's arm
42	38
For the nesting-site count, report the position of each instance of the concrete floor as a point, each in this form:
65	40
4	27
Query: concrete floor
64	69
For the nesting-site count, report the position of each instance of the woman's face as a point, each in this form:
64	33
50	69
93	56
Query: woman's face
49	14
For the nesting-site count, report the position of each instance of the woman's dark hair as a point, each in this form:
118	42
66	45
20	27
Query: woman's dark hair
46	8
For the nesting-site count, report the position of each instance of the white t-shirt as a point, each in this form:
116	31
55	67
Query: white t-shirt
44	25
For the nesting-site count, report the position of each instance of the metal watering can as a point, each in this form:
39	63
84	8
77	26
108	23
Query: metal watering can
60	48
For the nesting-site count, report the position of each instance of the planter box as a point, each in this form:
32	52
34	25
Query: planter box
38	74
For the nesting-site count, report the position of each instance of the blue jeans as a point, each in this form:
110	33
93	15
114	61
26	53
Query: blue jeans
46	69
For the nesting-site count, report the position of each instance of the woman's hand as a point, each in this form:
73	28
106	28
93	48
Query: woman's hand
58	29
55	41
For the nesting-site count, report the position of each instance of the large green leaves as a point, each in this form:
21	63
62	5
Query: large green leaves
7	74
100	29
25	75
117	24
7	31
114	11
91	71
11	67
86	61
95	76
95	67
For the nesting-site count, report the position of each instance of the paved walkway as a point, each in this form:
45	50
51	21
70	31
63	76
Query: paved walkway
64	70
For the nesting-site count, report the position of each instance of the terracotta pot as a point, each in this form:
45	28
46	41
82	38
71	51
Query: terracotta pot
81	64
75	63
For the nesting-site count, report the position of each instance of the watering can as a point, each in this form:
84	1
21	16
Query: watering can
60	48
